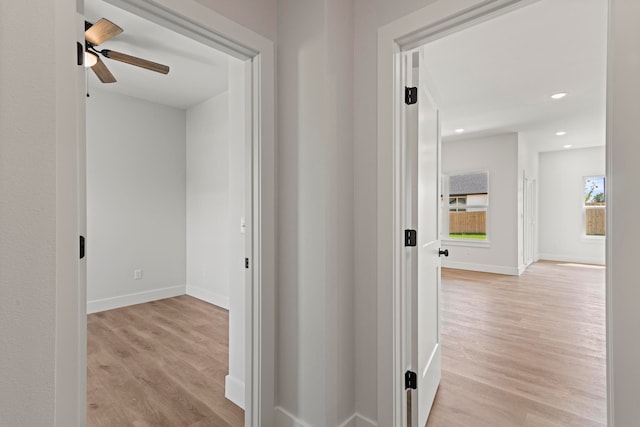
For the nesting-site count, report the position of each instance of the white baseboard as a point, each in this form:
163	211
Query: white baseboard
357	420
362	421
352	421
221	301
234	390
286	419
568	258
132	299
485	268
522	269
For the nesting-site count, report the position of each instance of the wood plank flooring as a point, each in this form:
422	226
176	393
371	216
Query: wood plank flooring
159	364
523	351
517	351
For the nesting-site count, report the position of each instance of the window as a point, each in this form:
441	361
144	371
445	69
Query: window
468	202
456	202
594	205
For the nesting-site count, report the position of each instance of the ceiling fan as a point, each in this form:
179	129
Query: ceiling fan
100	32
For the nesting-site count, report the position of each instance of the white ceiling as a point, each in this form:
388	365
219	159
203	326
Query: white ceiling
494	77
498	76
197	72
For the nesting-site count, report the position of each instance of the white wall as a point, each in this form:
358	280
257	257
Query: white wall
497	155
623	151
239	106
38	235
561	191
135	200
216	193
31	109
208	220
369	16
28	218
257	15
315	204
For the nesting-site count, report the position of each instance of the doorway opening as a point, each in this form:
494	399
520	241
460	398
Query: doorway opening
167	191
523	185
167	155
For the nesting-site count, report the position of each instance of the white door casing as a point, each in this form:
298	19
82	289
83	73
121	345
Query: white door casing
529	220
81	108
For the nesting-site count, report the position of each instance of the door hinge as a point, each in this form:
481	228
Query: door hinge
82	247
246	263
410	95
410	380
410	237
80	51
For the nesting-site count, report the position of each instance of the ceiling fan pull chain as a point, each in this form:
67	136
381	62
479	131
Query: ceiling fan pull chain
86	81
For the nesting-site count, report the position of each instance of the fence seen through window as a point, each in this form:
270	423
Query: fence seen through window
595	205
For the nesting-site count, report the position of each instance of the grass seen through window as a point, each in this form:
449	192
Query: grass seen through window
479	236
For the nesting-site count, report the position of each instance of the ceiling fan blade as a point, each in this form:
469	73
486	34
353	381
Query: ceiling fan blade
103	72
101	31
134	60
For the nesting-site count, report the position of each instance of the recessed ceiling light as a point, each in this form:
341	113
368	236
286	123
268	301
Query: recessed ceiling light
567	146
559	95
560	133
459	130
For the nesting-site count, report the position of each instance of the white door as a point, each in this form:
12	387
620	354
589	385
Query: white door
423	156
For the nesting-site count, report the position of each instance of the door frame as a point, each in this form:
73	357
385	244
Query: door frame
429	23
205	25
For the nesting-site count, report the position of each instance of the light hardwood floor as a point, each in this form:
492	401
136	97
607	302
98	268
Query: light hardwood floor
517	351
159	364
523	351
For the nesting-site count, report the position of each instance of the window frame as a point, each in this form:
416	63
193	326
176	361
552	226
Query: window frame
586	207
448	207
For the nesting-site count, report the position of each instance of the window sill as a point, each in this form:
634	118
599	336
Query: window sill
466	242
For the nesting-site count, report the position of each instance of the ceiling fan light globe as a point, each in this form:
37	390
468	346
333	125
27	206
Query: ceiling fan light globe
90	59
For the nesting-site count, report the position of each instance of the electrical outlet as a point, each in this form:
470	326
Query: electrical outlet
137	274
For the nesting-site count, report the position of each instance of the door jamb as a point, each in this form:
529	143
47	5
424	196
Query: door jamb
205	25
